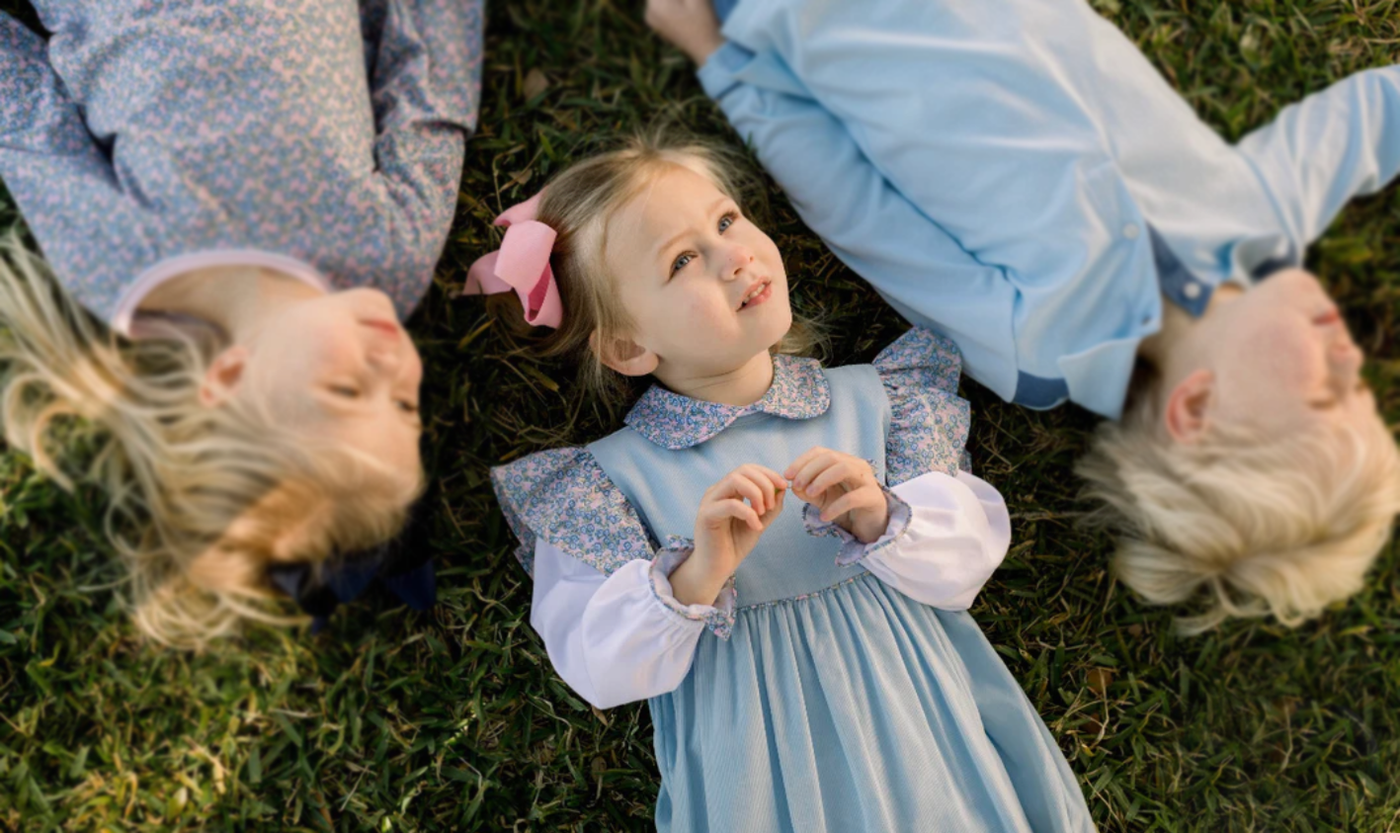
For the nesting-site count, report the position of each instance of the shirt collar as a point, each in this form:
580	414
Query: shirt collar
673	421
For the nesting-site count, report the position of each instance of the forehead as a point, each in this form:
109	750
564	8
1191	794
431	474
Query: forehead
668	202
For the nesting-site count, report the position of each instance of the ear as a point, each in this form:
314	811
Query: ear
223	377
624	355
1189	406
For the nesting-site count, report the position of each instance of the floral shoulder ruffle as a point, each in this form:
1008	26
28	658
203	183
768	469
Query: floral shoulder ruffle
564	497
929	422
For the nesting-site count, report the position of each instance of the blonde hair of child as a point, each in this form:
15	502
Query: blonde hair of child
577	204
1283	527
201	500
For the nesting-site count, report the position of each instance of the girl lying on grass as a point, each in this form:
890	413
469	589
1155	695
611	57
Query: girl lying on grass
238	202
1016	175
808	668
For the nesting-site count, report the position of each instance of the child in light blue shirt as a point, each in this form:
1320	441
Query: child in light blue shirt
1017	176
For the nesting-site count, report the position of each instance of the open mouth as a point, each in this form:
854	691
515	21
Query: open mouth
757	294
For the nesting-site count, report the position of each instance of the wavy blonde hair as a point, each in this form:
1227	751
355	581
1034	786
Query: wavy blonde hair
200	499
577	204
1258	527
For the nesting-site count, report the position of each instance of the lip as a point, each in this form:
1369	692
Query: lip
761	297
1331	316
386	327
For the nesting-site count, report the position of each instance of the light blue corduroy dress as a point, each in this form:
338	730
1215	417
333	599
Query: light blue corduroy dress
821	700
837	703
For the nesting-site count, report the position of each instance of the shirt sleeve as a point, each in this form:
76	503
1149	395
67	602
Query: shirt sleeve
1332	146
36	114
62	180
618	638
957	535
424	64
865	221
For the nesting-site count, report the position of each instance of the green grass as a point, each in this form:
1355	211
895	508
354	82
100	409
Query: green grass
453	720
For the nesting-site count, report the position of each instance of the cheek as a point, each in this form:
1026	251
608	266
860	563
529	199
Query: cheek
1268	374
1290	355
331	350
767	252
703	311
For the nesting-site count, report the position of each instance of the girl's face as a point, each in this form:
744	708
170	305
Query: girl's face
340	367
705	288
1284	359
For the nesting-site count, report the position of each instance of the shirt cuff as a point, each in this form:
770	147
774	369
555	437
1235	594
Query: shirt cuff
719	74
852	548
719	617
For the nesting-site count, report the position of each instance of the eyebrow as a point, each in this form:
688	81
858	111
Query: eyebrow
714	207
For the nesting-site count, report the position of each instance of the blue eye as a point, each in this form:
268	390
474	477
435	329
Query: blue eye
725	222
681	262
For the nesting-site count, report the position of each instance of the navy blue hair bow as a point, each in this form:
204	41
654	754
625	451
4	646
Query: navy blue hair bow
401	564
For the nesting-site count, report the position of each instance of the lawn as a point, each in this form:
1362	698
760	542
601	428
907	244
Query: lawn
454	720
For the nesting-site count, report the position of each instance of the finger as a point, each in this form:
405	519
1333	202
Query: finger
841	471
777	510
744	487
809	472
805	457
779	482
742	512
771	482
762	485
715	515
849	502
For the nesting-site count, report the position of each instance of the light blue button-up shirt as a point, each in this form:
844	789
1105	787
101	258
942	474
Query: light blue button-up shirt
1017	175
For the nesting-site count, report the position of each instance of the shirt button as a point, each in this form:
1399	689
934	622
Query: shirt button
1131	231
1192	290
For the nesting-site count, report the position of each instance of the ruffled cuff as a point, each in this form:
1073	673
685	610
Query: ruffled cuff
719	617
852	548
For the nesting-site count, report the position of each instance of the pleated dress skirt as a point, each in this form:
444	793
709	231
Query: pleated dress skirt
856	708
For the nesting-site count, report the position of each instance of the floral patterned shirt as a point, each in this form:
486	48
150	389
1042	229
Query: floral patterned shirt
328	132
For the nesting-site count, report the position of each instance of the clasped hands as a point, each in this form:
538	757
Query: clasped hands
735	512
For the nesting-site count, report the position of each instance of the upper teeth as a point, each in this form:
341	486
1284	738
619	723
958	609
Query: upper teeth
758	288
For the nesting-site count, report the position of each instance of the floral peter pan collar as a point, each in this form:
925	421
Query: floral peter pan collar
673	421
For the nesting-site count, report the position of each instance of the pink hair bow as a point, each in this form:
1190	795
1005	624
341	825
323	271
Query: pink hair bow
522	265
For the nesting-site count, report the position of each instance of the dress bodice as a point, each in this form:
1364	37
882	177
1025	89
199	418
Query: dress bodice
666	485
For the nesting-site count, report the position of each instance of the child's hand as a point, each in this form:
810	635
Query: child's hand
844	489
726	530
690	25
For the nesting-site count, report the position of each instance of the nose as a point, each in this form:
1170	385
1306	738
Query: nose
738	259
385	355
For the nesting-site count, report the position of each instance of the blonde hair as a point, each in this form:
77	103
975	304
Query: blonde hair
200	499
1283	526
577	204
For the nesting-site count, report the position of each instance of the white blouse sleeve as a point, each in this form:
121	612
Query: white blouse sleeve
613	639
957	535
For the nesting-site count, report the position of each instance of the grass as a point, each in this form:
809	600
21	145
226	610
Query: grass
453	720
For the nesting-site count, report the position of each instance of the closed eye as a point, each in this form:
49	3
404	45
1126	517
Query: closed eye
345	391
